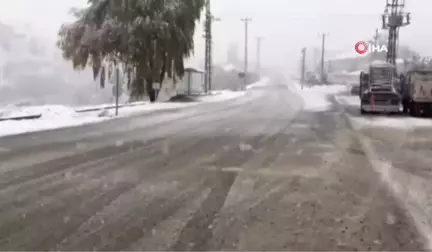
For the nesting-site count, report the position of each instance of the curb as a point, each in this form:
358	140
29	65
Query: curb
19	118
106	107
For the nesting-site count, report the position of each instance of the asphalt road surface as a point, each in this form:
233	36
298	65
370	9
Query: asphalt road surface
255	173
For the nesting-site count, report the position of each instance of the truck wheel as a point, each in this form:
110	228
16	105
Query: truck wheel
414	111
411	110
405	106
362	111
426	112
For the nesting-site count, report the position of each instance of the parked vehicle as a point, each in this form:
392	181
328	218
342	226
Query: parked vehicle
379	89
417	93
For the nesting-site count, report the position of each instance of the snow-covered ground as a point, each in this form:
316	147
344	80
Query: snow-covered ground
102	106
400	122
229	68
412	190
59	116
397	165
221	95
262	83
53	117
316	98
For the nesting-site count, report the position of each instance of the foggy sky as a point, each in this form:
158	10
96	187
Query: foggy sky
286	25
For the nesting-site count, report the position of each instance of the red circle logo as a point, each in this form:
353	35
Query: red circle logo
361	47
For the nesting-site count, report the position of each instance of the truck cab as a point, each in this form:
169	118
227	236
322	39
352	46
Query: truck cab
417	92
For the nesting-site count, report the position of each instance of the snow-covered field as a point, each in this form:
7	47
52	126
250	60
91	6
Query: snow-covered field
59	116
316	98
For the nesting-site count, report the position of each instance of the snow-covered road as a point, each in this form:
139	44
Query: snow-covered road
317	98
255	173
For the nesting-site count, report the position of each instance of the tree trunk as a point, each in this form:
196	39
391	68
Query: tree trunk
150	90
138	89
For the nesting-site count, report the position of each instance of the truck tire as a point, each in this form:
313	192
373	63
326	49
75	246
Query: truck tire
362	111
405	106
427	112
402	85
414	110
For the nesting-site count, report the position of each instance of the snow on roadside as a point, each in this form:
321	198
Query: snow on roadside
261	83
406	123
229	68
136	110
46	111
221	95
59	116
316	98
102	106
215	96
365	121
50	120
411	190
350	100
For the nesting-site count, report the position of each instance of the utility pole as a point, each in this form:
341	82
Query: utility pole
117	87
323	37
303	68
246	21
376	37
393	18
258	60
208	65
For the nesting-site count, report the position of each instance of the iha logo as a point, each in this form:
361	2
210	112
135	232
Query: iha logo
362	47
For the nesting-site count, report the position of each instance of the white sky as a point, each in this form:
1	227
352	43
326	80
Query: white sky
286	25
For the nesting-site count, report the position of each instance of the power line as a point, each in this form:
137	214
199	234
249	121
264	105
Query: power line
235	15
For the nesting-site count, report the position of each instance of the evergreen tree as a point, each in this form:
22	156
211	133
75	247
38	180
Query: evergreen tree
149	39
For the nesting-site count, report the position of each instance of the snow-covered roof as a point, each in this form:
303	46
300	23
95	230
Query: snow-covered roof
347	55
355	72
194	69
381	63
192	63
229	67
